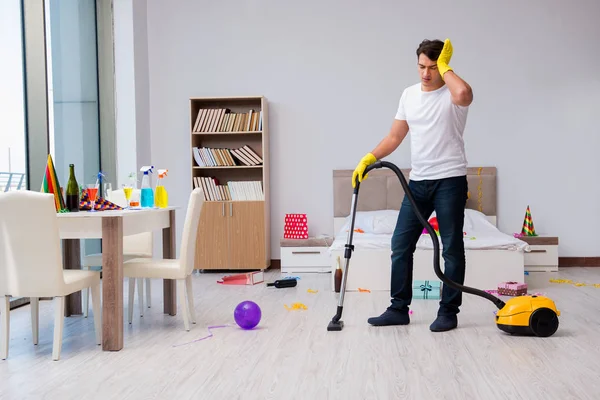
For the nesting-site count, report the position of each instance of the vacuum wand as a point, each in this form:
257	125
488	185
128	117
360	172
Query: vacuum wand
336	323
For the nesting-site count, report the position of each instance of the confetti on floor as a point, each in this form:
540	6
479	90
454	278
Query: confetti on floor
364	290
210	334
312	291
296	306
579	284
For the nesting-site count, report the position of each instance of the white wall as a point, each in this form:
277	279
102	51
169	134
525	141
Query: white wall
333	73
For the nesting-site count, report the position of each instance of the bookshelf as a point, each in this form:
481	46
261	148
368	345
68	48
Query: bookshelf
230	162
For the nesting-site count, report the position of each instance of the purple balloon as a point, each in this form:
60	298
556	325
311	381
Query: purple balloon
247	314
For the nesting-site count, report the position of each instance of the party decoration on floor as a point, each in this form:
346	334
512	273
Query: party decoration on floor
512	289
210	334
579	284
247	314
364	290
248	278
312	291
427	289
50	184
528	228
495	292
296	306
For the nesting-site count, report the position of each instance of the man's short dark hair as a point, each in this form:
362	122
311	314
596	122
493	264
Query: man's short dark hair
431	48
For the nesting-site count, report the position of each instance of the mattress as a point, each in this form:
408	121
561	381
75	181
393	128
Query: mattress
478	234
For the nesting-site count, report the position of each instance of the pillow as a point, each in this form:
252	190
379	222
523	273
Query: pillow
385	222
378	221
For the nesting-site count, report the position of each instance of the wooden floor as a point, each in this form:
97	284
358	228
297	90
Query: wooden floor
292	356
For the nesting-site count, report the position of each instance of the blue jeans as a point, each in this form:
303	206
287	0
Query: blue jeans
448	198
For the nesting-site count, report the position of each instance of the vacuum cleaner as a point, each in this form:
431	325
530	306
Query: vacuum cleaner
522	315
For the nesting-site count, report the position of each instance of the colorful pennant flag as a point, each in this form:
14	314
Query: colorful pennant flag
50	184
528	228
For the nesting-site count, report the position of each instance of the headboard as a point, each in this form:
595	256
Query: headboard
383	191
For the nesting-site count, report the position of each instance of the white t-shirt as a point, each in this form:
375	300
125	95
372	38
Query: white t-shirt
436	126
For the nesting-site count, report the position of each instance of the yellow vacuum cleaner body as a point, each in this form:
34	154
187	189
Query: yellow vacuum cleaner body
528	315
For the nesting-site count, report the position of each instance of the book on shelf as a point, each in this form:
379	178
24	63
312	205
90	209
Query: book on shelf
232	191
223	120
218	157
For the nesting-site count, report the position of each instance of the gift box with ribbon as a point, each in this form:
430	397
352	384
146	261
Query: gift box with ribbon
428	290
512	289
296	226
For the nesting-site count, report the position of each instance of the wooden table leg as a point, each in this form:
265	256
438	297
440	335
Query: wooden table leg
72	260
169	251
112	283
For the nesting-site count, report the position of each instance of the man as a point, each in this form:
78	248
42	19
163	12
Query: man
435	112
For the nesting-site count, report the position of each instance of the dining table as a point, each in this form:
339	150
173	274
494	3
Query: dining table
111	226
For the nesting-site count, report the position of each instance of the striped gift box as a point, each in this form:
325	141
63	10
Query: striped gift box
512	289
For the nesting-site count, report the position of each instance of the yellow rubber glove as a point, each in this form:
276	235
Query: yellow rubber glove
360	168
444	58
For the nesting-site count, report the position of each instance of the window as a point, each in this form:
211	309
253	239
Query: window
13	154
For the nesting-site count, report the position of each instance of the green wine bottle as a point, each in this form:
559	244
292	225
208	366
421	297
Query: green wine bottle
72	191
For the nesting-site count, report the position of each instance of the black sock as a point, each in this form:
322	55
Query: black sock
444	323
390	317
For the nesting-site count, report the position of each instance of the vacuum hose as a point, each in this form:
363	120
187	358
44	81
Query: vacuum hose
436	245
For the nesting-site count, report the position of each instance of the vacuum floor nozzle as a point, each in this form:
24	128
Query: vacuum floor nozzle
335	326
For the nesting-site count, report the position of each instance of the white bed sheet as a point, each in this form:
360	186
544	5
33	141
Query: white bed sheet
479	234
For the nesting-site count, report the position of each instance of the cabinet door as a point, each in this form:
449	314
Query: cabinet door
247	235
212	244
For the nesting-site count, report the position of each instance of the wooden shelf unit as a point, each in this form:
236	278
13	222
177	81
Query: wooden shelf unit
233	234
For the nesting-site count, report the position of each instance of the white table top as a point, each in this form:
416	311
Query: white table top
88	224
113	213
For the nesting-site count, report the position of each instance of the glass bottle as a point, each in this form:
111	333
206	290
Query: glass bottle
338	277
72	191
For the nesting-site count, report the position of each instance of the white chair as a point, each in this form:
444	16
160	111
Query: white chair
31	265
179	269
134	246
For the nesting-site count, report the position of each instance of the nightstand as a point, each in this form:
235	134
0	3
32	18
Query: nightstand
544	253
305	255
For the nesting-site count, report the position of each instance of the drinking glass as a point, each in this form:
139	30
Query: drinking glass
127	189
92	191
106	189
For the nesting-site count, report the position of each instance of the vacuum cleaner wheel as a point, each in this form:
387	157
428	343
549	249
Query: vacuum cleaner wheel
543	322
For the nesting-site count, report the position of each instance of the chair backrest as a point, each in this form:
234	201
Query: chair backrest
190	230
140	243
30	251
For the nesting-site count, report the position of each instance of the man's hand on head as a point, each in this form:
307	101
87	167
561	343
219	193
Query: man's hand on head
443	60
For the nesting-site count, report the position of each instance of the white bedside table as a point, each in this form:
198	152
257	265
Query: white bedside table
544	253
305	255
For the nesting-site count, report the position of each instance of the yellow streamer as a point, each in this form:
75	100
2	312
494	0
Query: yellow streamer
296	306
480	190
579	284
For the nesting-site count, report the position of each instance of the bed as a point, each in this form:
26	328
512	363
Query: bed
491	255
